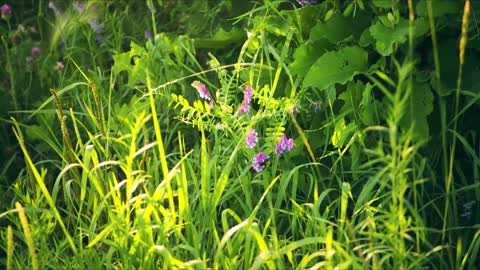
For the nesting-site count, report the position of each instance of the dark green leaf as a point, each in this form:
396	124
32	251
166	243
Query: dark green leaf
382	3
420	106
305	55
337	67
339	28
221	39
387	37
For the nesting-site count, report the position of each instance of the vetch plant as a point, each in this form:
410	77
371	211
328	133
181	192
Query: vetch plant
247	98
251	138
203	92
147	173
284	145
259	161
54	7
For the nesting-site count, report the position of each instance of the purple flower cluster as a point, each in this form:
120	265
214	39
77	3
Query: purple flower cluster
35	51
6	11
52	5
79	6
306	2
203	92
95	25
251	138
258	161
284	145
148	34
247	98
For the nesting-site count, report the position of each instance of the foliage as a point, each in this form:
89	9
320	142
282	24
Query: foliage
240	134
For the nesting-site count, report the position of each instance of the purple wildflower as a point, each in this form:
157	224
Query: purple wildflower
79	6
202	90
258	161
52	5
35	51
211	104
148	34
28	59
95	25
247	98
284	145
251	138
6	11
99	37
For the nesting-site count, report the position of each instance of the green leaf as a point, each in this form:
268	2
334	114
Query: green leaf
222	39
352	96
305	55
342	132
337	67
336	29
121	62
420	106
273	24
366	39
305	18
387	37
339	28
382	3
137	70
369	107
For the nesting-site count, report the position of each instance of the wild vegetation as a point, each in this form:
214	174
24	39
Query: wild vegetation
240	134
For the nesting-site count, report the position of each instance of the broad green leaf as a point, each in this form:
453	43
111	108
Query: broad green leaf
305	18
221	39
366	38
337	67
305	55
339	28
336	29
137	70
421	27
369	107
273	24
420	106
121	62
387	37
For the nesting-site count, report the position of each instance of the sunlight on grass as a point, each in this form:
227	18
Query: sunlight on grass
239	135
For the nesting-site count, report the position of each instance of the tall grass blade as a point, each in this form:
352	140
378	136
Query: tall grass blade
39	180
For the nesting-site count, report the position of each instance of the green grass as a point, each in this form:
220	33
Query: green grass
124	166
